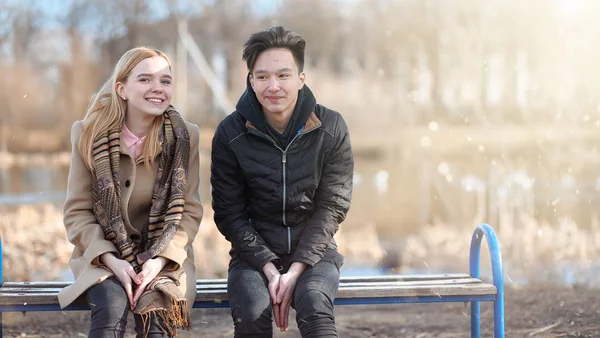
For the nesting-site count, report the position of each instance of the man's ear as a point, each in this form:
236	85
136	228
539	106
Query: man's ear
302	79
251	78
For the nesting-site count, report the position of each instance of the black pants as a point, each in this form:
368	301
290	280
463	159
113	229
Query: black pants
110	308
313	298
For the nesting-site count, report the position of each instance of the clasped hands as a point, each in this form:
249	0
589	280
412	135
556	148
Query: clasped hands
281	290
127	276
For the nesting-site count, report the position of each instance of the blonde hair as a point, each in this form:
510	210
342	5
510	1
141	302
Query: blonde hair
107	109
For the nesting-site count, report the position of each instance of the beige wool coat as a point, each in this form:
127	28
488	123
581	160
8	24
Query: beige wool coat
137	183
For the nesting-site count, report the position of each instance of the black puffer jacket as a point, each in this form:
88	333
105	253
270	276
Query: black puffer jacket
272	200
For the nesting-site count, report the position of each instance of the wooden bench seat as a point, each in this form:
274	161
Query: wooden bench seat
387	289
40	296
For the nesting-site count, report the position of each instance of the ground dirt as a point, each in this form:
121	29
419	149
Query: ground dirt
530	312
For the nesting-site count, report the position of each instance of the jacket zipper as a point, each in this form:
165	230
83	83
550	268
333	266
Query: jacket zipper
284	162
289	235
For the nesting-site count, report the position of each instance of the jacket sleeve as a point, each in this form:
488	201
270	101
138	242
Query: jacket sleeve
176	250
83	231
332	199
230	204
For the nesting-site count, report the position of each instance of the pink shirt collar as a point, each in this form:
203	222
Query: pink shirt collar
132	142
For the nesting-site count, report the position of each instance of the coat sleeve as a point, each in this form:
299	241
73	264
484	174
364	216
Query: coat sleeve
176	250
230	204
83	231
332	199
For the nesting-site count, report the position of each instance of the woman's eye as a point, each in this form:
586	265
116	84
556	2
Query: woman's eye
167	82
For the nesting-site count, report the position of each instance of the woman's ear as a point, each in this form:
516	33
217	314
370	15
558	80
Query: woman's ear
120	90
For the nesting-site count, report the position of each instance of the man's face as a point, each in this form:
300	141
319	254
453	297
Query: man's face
275	80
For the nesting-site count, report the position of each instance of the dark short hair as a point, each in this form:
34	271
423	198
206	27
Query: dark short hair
274	37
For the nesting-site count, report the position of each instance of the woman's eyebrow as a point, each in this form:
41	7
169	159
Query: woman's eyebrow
150	75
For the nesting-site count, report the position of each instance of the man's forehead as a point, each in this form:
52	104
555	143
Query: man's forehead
276	70
275	59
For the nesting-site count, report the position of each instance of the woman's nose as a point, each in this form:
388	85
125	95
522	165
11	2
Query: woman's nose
157	88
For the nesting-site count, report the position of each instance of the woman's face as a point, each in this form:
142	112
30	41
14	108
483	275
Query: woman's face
148	88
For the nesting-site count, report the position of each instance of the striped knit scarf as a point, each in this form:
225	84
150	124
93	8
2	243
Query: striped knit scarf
161	298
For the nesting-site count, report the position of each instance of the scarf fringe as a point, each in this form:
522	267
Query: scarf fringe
169	320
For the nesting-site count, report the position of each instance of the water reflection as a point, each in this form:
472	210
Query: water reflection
33	184
398	199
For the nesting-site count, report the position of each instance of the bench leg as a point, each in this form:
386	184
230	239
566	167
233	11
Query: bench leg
499	315
498	278
475	320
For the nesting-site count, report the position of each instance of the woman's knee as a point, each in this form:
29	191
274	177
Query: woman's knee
109	304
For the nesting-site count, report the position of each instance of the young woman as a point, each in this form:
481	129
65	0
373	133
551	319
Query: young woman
133	208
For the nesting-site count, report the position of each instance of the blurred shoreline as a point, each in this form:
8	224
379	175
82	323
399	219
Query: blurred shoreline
35	248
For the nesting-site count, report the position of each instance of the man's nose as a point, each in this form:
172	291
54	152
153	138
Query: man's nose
273	85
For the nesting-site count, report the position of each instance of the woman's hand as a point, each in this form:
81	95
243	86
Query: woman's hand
124	273
150	270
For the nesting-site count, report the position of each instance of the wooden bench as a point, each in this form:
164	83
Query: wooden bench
387	289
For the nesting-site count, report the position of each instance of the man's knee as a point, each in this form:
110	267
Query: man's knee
253	318
313	301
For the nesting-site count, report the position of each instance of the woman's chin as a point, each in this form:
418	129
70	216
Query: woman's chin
155	112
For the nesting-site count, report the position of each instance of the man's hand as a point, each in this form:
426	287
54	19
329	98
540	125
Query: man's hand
150	270
123	271
287	284
273	276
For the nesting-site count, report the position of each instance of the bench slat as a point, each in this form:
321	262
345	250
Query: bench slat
343	279
27	289
385	291
404	278
220	295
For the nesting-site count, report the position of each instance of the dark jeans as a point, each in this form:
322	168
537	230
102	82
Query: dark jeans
313	298
110	308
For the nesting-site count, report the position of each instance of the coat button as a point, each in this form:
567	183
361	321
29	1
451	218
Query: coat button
127	183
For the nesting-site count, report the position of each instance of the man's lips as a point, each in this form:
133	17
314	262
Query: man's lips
274	99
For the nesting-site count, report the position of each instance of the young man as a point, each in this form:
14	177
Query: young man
281	178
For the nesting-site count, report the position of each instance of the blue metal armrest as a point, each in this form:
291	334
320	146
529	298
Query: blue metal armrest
485	230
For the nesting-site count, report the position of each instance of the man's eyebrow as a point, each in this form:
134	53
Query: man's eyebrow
261	71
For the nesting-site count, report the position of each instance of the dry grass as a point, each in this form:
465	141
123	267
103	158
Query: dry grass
35	247
532	252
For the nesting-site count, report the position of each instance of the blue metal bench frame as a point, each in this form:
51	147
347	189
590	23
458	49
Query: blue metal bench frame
482	230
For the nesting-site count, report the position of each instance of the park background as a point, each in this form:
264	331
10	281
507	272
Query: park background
460	112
